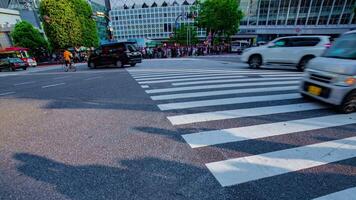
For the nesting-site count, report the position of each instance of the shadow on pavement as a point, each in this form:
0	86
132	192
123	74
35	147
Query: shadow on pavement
147	178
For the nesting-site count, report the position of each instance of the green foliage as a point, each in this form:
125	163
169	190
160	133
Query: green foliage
220	17
25	35
181	35
69	23
88	25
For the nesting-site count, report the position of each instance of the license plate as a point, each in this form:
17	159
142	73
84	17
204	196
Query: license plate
314	90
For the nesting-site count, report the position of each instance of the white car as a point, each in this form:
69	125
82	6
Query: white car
332	77
294	50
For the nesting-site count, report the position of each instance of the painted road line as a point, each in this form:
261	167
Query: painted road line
6	93
183	76
235	80
282	75
24	83
240	113
191	79
245	169
227	101
223	92
348	194
145	86
92	78
58	84
201	87
200	75
208	138
165	73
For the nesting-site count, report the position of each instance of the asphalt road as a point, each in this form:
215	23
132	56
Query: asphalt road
207	128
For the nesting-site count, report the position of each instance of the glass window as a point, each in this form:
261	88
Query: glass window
344	48
304	42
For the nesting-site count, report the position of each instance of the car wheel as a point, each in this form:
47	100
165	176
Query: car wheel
24	68
255	61
133	64
119	63
349	104
92	65
13	69
303	63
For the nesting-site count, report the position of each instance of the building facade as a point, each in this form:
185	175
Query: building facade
264	19
149	19
101	22
8	19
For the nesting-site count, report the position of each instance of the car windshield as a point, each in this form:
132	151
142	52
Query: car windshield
15	60
343	48
131	47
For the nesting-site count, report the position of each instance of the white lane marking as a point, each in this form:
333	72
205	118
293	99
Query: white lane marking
183	76
245	169
348	194
283	75
6	93
53	85
222	92
234	81
201	75
240	113
24	83
178	89
62	77
190	79
92	78
207	138
185	71
227	101
145	86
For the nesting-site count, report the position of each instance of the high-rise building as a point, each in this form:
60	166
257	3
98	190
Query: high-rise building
264	19
101	6
149	19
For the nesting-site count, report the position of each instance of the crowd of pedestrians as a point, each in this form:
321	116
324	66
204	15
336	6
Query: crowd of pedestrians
182	51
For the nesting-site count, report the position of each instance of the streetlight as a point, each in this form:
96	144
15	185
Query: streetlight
109	27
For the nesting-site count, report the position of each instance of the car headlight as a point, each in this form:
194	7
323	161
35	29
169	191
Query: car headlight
346	81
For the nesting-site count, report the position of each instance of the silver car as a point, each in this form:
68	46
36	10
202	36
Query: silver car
331	78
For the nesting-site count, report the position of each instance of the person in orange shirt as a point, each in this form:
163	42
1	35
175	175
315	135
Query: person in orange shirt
67	55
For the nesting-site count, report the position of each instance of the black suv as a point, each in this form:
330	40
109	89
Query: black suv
117	54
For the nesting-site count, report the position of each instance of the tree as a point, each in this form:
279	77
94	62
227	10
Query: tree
88	26
185	34
25	35
62	26
219	17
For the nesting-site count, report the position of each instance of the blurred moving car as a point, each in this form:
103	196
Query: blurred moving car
117	54
239	46
12	64
18	52
332	77
295	50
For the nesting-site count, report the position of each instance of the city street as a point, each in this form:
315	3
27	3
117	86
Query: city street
189	128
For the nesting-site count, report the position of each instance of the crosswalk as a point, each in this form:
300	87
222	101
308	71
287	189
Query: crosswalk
198	97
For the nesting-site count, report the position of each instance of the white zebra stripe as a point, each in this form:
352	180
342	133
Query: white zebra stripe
234	81
240	113
191	79
178	89
227	101
245	169
208	138
223	92
348	194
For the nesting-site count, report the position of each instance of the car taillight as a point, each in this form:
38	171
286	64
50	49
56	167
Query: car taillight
328	45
